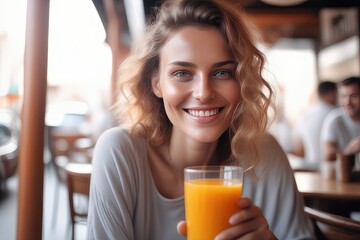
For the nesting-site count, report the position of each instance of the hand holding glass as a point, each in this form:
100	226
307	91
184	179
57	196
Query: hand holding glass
211	198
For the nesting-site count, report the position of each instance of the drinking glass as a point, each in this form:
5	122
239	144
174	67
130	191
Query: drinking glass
211	198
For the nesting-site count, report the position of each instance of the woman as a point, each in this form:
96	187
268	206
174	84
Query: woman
193	95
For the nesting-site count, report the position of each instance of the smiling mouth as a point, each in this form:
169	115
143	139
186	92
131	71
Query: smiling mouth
203	113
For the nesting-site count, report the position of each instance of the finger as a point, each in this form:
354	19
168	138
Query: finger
181	228
243	216
244	202
247	212
238	231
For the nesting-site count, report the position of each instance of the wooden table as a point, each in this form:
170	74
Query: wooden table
314	185
330	195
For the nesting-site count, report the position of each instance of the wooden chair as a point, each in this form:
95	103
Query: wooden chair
62	146
333	227
78	183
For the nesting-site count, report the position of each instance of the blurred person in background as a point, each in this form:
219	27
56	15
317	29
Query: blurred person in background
341	129
307	136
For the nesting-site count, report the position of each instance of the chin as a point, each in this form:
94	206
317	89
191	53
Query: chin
206	137
351	113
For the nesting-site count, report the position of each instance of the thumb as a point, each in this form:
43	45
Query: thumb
181	228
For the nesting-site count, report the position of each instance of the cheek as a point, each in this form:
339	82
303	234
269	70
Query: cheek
232	93
173	95
235	97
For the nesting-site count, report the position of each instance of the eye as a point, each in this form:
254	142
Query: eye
223	74
182	75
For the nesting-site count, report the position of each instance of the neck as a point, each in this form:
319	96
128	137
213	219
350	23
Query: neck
185	152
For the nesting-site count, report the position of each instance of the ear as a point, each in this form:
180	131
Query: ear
155	83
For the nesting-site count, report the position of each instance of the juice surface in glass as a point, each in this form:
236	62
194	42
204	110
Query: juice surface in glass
209	204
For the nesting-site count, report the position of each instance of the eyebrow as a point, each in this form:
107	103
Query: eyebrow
220	64
187	64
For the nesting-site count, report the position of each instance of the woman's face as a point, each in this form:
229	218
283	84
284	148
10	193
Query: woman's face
197	83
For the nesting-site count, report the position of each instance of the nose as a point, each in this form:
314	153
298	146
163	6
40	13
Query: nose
203	89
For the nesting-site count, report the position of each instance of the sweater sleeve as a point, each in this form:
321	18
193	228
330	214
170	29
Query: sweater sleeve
113	188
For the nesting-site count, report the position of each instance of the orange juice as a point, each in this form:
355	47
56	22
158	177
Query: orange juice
209	204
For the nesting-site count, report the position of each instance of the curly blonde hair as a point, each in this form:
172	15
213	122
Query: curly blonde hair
144	113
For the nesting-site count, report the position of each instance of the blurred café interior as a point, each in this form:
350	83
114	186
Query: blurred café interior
58	62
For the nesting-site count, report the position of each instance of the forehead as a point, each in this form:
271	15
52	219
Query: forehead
349	89
195	43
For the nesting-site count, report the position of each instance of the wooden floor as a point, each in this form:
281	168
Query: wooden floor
56	225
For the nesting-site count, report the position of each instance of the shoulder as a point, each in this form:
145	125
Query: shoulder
335	114
118	136
269	147
120	140
273	171
271	157
116	147
334	119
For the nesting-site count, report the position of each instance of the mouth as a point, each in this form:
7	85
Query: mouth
203	112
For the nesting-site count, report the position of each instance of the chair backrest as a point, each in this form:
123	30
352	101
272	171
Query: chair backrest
332	227
62	144
78	181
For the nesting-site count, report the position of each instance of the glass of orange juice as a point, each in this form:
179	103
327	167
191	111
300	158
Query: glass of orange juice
211	196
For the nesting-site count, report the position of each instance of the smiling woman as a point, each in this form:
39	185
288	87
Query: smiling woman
192	94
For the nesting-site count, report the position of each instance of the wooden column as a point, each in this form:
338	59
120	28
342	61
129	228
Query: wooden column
31	162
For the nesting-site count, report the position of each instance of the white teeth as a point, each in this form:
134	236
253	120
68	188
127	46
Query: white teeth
203	113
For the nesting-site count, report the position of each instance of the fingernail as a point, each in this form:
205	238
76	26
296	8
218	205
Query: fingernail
232	220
